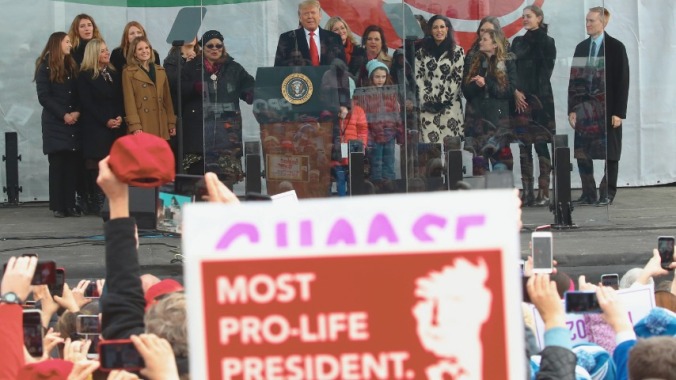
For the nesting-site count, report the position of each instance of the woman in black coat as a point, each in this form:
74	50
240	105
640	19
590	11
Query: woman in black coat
212	85
488	86
100	91
534	122
56	85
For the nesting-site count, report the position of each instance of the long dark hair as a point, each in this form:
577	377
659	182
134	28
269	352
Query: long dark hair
60	65
375	28
448	44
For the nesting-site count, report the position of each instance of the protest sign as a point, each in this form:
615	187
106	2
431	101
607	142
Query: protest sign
637	300
381	287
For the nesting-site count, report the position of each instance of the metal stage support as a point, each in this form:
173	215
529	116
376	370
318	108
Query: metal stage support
11	159
562	205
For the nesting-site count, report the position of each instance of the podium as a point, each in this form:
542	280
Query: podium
297	109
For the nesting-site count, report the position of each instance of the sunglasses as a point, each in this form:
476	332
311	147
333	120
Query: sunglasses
214	46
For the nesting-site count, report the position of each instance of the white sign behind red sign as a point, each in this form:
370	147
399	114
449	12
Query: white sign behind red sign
387	287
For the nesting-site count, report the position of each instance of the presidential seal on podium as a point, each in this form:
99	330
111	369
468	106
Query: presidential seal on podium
297	88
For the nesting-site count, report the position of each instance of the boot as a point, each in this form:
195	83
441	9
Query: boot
527	197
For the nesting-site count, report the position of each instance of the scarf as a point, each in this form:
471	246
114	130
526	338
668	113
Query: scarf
349	47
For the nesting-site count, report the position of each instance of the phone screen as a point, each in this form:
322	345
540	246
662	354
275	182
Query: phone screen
542	253
120	354
665	245
87	325
93	352
193	185
582	302
92	291
611	280
57	288
45	273
32	332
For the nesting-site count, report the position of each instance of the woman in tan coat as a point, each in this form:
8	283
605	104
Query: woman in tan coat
147	99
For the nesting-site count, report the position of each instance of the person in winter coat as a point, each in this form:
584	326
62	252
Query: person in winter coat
439	65
212	85
488	86
147	98
56	85
100	91
534	119
380	102
355	55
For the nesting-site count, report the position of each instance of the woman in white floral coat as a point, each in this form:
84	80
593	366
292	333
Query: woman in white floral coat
438	74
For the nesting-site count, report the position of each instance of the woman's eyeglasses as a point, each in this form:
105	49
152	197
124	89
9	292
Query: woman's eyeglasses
214	46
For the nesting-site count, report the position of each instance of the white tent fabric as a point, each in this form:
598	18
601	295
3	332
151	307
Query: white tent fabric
251	29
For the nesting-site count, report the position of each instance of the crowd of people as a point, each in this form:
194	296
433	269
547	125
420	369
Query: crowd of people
152	314
435	98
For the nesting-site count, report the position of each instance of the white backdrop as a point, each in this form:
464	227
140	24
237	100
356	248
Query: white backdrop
251	29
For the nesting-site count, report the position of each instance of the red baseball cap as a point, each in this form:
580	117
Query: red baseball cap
161	288
142	160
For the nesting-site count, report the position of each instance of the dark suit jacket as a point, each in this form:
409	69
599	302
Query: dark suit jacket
616	87
293	50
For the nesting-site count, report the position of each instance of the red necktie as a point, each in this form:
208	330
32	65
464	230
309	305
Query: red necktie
314	53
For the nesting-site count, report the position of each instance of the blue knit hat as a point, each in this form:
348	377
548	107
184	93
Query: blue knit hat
659	322
375	64
595	360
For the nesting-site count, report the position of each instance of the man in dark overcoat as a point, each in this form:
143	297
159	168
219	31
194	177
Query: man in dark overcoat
597	103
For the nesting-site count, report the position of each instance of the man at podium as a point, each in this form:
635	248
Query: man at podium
309	45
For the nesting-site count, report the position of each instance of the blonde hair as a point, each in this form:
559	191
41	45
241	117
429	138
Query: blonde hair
495	62
335	19
91	57
308	4
74	33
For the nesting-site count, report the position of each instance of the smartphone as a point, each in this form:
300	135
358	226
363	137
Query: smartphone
57	288
29	255
193	185
45	273
32	332
93	352
119	354
665	245
612	280
543	251
87	325
92	291
582	302
251	196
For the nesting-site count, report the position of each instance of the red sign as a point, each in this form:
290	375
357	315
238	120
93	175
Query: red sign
372	316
